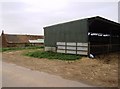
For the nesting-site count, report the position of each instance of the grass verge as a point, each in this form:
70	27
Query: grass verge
18	48
52	55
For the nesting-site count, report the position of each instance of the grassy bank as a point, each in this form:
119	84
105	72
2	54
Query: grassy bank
52	55
18	48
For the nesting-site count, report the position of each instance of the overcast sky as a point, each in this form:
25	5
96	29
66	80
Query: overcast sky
30	16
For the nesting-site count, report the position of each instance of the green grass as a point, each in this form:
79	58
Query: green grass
18	48
52	55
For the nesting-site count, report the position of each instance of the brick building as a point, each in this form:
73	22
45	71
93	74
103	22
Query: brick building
13	40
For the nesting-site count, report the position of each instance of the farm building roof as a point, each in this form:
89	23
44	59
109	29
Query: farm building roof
12	38
90	18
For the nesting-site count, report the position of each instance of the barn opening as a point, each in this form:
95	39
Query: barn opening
103	36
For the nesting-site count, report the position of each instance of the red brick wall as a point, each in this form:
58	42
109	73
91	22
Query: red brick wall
4	41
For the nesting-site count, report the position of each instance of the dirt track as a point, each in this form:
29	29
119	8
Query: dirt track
102	71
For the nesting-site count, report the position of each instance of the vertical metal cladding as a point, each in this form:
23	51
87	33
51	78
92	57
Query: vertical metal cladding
75	31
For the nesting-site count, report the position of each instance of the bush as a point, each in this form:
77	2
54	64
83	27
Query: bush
52	55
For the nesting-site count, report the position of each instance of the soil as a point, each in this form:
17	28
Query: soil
100	71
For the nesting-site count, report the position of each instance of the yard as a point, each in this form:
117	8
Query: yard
101	71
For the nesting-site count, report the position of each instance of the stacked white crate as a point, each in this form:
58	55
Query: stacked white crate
72	48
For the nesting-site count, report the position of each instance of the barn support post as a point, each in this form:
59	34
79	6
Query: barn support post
89	49
76	48
56	47
110	42
108	46
65	47
89	44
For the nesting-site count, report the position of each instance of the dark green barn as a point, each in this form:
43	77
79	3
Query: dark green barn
94	35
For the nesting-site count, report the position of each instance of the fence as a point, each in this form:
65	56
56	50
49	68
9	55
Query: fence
72	48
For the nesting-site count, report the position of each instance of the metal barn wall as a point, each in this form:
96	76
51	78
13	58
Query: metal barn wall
75	31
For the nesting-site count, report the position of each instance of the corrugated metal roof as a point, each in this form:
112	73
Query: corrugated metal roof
21	38
37	41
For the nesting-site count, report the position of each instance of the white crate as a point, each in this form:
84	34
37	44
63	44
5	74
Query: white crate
61	47
71	52
71	43
71	48
60	43
60	51
82	44
82	48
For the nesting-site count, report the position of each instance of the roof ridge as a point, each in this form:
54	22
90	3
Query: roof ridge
22	35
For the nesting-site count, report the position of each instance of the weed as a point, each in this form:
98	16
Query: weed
53	55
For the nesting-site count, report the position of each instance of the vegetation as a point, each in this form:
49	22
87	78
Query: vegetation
52	55
18	48
42	54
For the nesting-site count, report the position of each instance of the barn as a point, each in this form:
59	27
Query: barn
19	40
95	35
